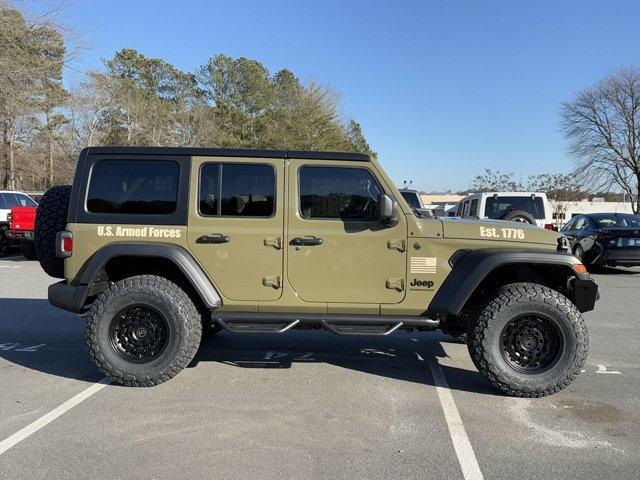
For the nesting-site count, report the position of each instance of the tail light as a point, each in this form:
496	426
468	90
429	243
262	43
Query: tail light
64	244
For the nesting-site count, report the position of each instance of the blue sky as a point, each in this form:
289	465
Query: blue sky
442	89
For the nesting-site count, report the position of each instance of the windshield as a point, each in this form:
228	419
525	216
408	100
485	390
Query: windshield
498	207
609	220
412	199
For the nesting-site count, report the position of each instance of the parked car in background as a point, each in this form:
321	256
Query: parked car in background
414	199
21	226
524	207
8	200
605	238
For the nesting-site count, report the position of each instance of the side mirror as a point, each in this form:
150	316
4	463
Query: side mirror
387	210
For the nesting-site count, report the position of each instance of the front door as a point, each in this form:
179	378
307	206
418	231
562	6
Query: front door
236	230
337	251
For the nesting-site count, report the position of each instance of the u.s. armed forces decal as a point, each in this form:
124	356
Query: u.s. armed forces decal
138	232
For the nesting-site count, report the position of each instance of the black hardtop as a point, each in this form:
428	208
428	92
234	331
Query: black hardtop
225	152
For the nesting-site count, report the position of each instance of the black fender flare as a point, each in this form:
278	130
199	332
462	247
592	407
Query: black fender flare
470	268
180	257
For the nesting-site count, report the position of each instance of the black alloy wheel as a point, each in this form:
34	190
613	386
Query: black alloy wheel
531	344
139	333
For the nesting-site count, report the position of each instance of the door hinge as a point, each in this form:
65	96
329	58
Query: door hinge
395	284
399	245
271	281
275	242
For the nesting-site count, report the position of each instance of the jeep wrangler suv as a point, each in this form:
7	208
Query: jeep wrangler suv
157	244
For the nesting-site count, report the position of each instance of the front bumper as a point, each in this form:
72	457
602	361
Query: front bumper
19	234
585	294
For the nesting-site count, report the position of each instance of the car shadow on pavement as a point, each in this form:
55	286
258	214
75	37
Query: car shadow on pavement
605	270
36	336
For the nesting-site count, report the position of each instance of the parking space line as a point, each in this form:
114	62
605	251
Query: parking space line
52	415
461	443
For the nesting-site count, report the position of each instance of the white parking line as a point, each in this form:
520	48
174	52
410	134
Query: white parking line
461	443
52	415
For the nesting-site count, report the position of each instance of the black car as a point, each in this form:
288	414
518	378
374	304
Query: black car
605	238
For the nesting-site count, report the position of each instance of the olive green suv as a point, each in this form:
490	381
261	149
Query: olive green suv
157	244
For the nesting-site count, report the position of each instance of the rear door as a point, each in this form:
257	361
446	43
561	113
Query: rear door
236	224
337	252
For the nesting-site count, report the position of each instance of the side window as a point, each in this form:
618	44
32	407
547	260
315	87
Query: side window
473	211
580	223
338	192
133	187
25	201
3	203
237	190
465	209
10	200
459	211
569	225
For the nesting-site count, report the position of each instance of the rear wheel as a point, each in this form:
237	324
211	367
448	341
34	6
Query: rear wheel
528	340
142	331
4	242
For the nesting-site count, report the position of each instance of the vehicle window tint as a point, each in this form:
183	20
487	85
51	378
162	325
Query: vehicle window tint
569	225
133	187
465	208
609	220
338	192
25	201
580	223
3	203
498	207
237	189
209	189
473	211
459	211
10	200
412	199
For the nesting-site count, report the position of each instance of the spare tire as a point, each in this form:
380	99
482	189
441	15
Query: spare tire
521	216
51	218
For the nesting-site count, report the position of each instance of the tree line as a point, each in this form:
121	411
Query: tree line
140	101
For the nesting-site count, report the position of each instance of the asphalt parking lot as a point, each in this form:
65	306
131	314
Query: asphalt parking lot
310	404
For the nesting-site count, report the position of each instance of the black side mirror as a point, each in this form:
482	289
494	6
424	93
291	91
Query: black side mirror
387	210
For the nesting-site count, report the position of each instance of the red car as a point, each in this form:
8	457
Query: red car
21	224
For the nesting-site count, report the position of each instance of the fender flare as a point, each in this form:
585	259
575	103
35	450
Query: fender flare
471	267
180	257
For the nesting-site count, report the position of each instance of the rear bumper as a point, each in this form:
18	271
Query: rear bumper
618	257
20	234
68	297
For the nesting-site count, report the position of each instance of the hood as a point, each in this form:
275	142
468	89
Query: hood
496	230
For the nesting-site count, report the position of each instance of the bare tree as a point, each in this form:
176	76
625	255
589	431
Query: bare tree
495	181
602	125
561	190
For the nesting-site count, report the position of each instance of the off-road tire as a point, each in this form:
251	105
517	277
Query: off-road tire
185	330
521	216
5	244
509	302
28	250
51	218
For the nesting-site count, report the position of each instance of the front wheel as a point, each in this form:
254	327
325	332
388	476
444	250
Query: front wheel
142	331
528	340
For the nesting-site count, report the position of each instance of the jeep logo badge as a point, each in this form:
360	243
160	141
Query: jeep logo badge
421	283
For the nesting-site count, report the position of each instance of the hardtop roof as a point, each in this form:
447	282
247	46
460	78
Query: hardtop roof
227	152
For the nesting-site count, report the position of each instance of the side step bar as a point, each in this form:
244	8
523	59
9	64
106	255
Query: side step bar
241	322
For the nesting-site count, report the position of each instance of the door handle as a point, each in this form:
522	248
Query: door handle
307	241
216	238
